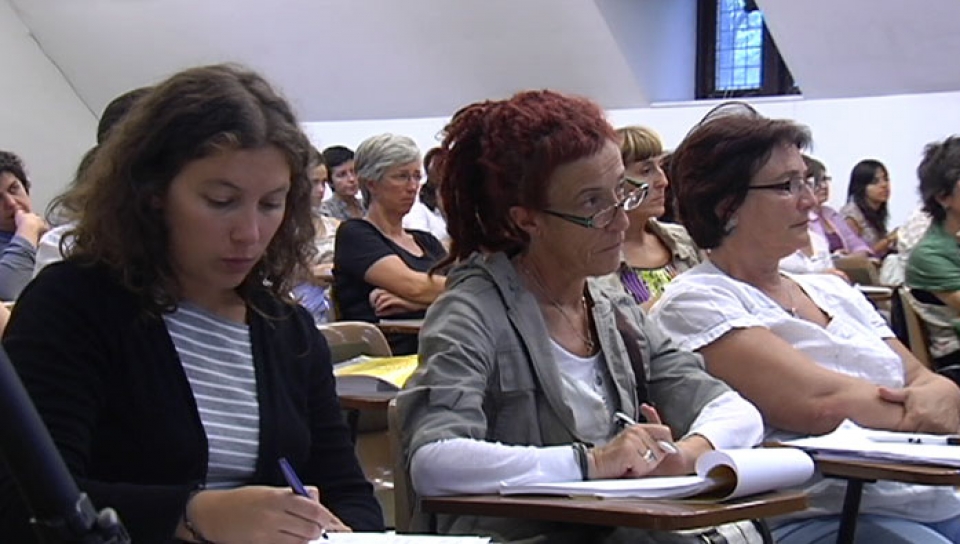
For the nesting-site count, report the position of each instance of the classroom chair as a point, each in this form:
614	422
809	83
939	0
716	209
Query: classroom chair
348	339
403	497
916	330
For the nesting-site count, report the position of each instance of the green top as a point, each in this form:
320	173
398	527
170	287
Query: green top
934	266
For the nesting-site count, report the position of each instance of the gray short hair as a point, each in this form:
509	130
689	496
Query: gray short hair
378	153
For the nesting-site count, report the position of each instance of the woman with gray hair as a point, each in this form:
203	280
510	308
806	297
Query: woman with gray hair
380	268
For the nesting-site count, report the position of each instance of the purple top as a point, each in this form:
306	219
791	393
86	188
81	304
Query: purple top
850	242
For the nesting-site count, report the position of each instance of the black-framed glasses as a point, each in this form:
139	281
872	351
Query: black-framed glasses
795	185
602	219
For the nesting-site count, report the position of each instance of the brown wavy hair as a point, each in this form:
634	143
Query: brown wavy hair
194	114
500	154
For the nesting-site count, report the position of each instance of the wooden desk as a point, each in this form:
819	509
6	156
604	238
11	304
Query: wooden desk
858	472
659	515
400	326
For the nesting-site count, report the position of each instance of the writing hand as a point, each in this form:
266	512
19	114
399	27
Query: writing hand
261	514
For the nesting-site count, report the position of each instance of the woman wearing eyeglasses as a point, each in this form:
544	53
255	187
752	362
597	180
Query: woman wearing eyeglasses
380	268
808	350
524	359
653	252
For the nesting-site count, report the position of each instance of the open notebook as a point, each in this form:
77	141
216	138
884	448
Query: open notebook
721	475
851	440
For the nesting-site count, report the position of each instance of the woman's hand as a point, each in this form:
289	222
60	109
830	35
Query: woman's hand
261	515
632	453
386	303
932	405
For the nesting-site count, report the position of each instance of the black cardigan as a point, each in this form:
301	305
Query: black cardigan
108	383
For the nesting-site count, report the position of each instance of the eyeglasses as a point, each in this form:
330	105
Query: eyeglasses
602	219
405	177
795	185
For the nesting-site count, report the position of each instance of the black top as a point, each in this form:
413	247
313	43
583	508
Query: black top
108	383
359	244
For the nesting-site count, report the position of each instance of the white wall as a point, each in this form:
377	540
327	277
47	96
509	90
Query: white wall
892	129
41	118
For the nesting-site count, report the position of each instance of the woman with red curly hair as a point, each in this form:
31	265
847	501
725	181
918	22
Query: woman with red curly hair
524	359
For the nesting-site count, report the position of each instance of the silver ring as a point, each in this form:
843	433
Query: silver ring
649	456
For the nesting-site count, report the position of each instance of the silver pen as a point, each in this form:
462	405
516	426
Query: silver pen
667	447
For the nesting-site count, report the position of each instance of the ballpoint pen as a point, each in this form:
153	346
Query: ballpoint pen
626	420
927	439
294	481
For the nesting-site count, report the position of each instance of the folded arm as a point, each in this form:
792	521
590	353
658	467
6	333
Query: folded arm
791	390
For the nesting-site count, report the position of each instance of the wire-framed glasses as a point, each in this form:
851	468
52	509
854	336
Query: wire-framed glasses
633	192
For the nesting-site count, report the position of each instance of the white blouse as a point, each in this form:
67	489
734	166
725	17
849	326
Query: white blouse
703	304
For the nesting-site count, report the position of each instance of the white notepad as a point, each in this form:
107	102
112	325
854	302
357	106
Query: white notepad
721	475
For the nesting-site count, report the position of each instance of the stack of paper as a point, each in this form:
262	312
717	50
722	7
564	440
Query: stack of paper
366	374
849	439
721	475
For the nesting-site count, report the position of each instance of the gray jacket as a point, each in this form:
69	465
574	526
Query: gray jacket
487	372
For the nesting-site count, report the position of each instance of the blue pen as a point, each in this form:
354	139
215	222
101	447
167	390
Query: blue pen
291	477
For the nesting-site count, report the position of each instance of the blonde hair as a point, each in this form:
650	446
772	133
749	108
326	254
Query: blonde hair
638	144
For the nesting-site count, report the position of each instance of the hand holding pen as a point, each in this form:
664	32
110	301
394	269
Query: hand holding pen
634	452
331	525
650	413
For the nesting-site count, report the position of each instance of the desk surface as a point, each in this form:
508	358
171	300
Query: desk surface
400	326
834	466
661	515
368	401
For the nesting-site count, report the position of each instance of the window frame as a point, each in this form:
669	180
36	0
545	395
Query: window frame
775	77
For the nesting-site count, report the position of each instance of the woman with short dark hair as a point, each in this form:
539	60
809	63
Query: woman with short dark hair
933	269
808	349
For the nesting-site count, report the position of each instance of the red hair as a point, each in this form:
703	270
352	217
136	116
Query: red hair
500	154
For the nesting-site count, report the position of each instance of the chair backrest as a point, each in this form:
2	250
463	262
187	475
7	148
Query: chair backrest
403	499
348	339
916	330
859	269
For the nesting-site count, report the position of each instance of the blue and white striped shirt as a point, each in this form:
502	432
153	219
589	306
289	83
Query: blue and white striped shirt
217	357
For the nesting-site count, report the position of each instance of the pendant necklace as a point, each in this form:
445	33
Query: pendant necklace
587	339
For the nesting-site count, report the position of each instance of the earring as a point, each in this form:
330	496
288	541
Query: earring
731	225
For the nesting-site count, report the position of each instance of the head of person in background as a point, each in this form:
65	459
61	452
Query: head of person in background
933	268
776	338
389	169
196	220
829	234
14	190
670	209
380	268
345	203
319	177
64	208
866	207
312	292
20	228
429	191
653	252
532	349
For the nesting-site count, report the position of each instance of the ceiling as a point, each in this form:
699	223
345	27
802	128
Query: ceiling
379	59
